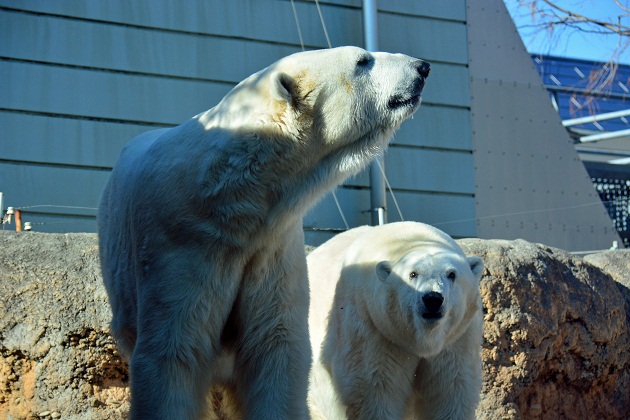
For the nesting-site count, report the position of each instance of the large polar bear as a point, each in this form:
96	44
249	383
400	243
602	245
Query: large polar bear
200	228
396	325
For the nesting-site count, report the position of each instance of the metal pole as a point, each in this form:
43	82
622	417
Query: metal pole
598	117
608	135
370	30
378	199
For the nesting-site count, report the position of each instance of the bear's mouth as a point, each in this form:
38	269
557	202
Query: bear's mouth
401	102
412	97
432	316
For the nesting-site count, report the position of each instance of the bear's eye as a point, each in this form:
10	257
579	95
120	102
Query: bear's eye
413	275
451	275
364	60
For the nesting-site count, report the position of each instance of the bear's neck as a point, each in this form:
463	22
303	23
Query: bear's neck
278	176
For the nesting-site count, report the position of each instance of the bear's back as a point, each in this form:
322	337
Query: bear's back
324	268
390	241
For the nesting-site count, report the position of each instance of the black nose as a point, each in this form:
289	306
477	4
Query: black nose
433	301
424	68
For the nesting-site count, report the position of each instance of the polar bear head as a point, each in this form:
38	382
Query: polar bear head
340	104
429	298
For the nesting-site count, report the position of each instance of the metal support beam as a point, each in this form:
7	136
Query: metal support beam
378	199
581	91
621	161
607	152
608	135
598	117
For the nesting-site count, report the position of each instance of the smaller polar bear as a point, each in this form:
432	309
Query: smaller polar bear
396	325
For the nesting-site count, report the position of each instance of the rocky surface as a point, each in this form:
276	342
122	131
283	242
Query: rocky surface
556	332
556	336
617	264
57	359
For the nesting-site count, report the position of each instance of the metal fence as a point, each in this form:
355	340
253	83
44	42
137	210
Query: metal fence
613	186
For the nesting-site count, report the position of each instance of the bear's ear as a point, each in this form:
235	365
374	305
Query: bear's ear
283	87
383	270
476	265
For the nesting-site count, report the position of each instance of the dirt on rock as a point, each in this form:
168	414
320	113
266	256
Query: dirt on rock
57	358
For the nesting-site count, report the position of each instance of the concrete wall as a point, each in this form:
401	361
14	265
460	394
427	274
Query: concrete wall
530	182
79	79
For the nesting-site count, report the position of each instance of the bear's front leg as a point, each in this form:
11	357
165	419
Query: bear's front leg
273	353
374	377
448	385
182	307
165	386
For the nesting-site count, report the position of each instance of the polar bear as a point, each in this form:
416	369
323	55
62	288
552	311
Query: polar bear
200	228
396	325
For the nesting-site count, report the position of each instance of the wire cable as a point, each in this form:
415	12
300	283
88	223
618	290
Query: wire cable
295	16
391	191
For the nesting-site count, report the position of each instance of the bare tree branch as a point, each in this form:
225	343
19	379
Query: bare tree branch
571	16
622	7
557	22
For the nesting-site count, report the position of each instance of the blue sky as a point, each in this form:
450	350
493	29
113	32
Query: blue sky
572	43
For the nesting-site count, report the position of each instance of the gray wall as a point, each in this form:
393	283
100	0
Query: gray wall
81	78
78	79
530	182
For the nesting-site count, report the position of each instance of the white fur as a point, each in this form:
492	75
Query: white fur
200	229
375	355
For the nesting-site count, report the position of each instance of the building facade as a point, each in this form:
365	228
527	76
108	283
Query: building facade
79	79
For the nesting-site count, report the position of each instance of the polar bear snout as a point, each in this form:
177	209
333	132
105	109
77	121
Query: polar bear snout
432	302
407	81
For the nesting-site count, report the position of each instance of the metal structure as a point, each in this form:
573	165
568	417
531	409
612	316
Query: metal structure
530	182
596	117
378	199
612	183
